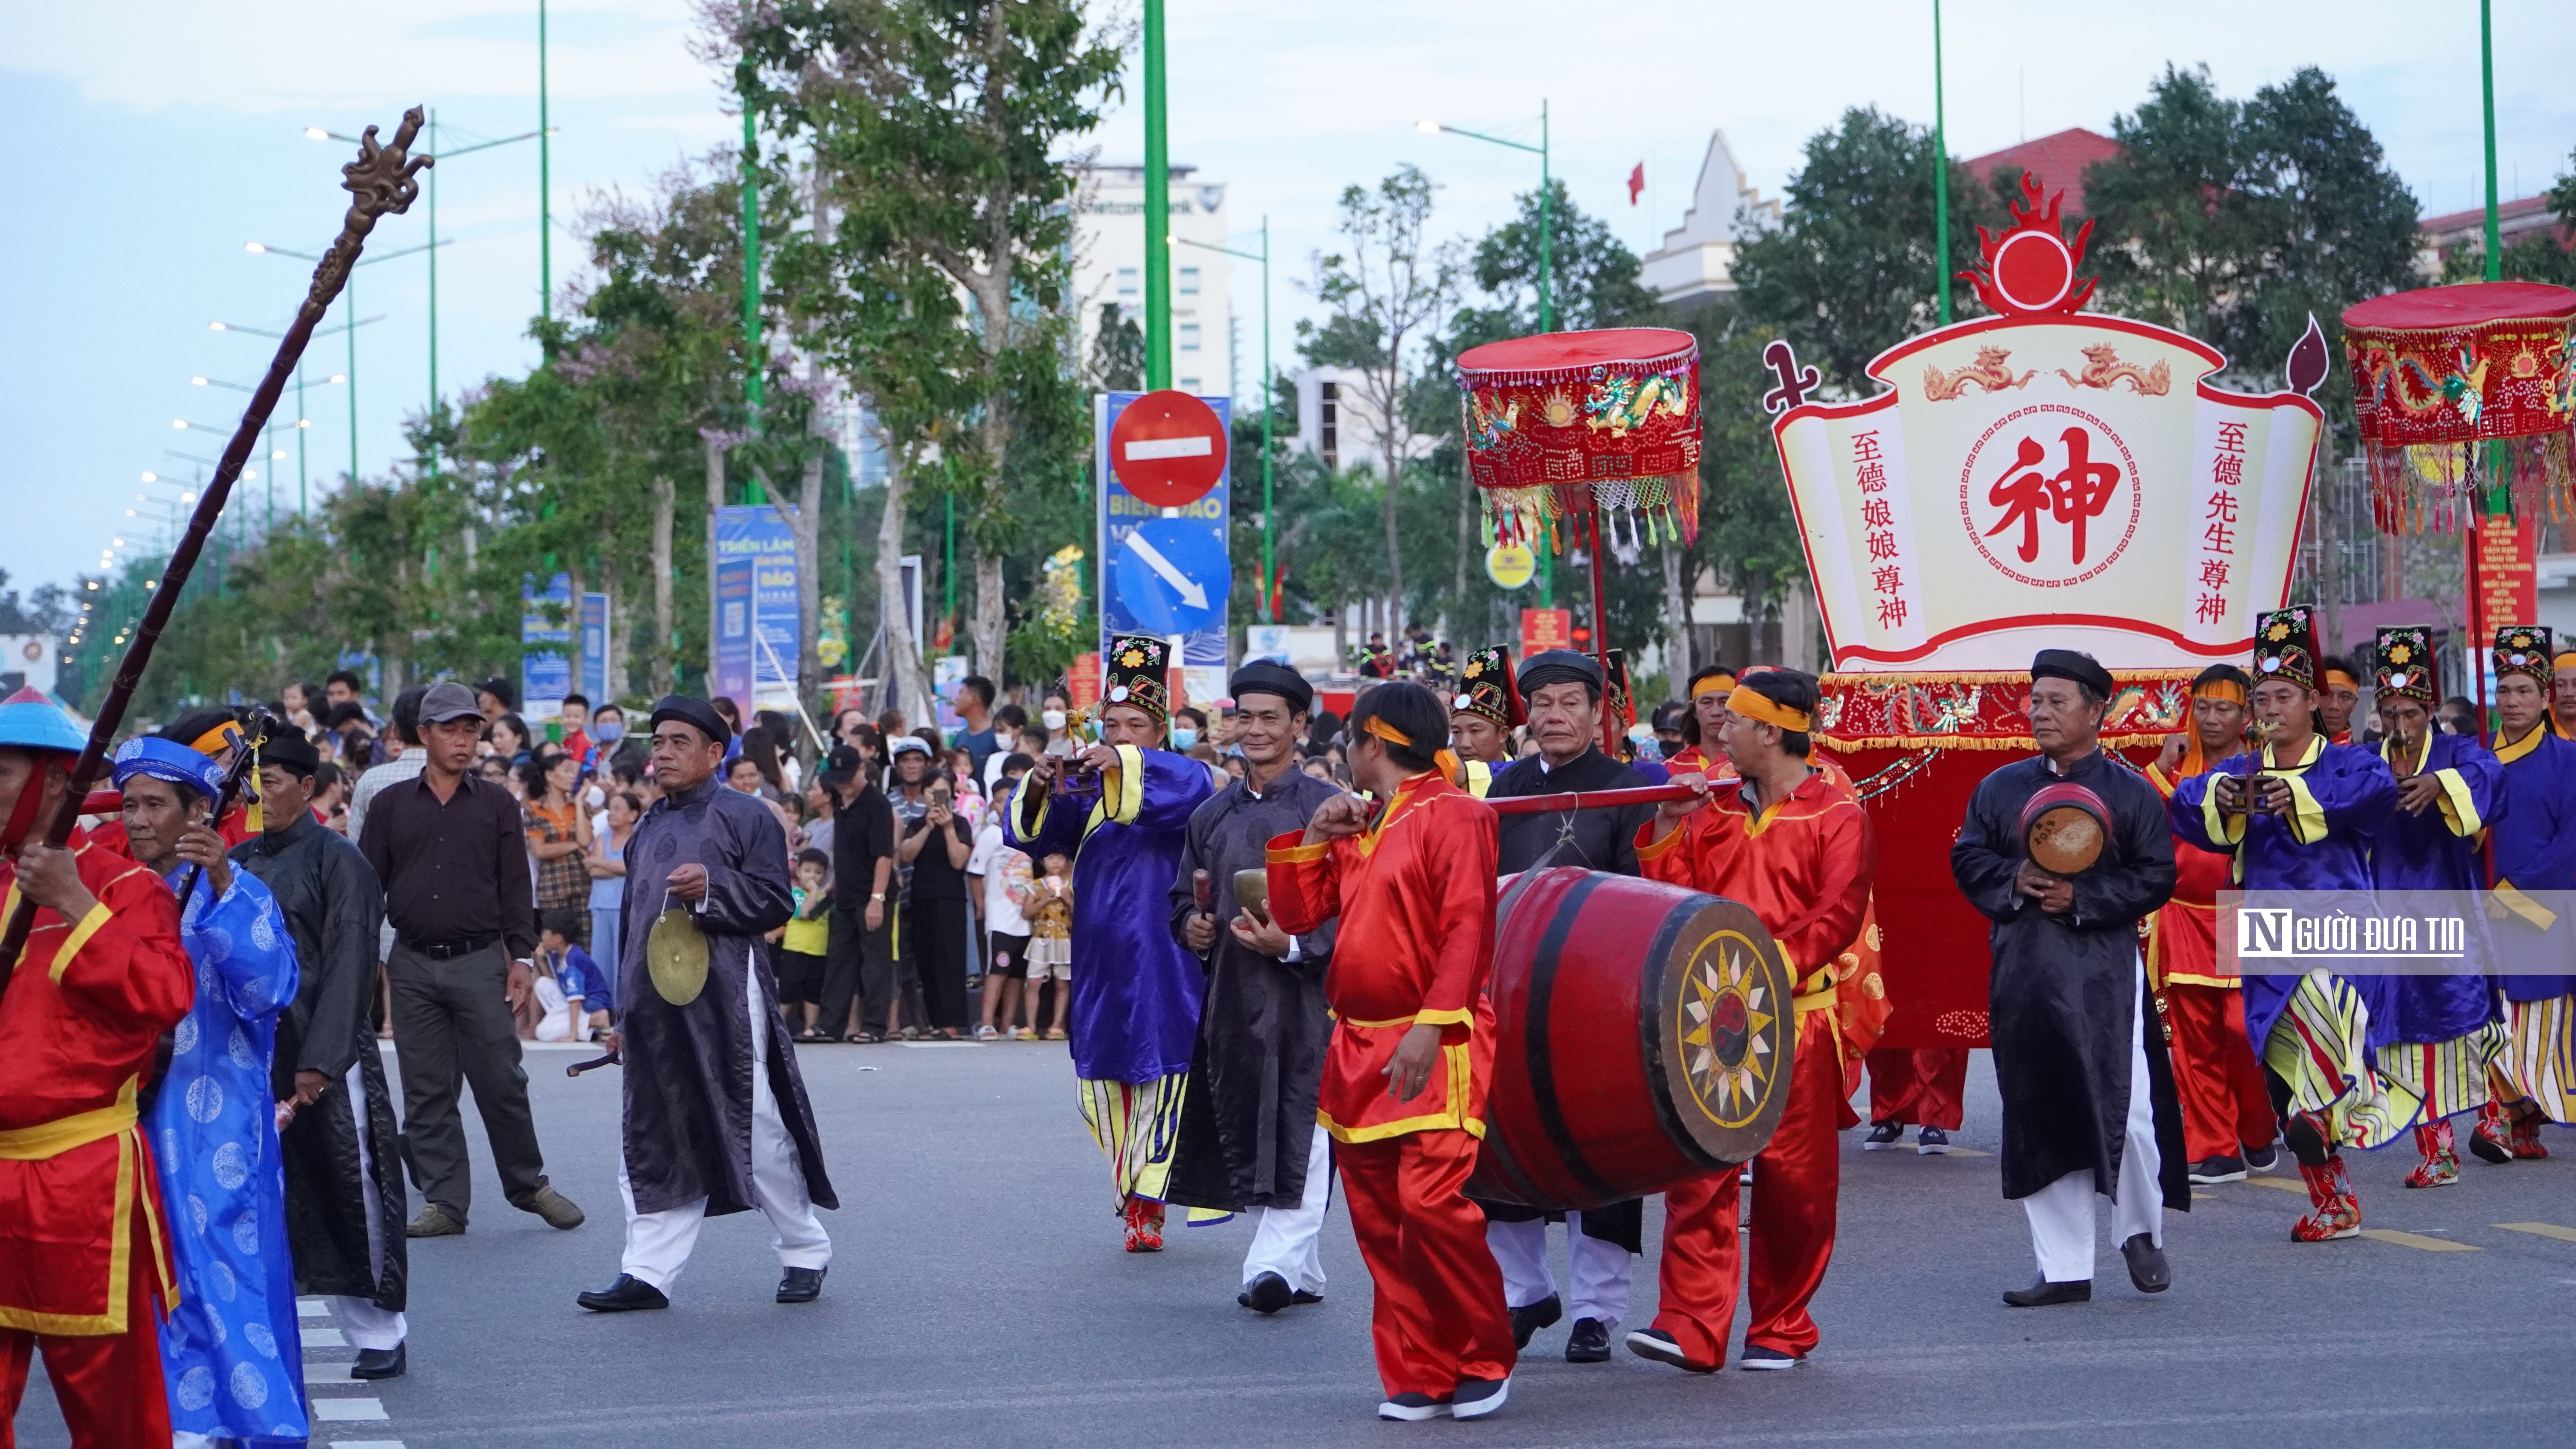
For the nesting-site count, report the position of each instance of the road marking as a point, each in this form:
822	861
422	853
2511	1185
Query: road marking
349	1411
366	1444
1144	450
2204	1197
330	1376
312	1308
1961	1152
2546	1230
2417	1240
2277	1185
324	1338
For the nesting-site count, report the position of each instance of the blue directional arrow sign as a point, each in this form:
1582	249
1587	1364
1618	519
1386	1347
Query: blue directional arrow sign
1173	574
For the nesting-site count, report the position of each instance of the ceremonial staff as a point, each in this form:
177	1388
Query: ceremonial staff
381	180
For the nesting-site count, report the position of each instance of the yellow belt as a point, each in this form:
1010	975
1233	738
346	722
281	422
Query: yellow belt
53	1139
1816	993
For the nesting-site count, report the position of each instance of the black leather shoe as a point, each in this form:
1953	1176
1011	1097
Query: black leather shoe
1267	1293
1530	1318
626	1295
2044	1294
801	1285
1589	1342
2148	1269
380	1363
1301	1296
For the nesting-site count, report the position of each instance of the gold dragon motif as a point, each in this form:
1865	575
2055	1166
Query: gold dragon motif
1990	371
2103	367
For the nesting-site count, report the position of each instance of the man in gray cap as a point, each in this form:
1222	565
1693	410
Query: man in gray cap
716	1116
454	862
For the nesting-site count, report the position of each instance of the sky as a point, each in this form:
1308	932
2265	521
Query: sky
142	145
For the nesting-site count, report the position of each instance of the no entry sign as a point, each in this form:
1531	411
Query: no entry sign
1167	448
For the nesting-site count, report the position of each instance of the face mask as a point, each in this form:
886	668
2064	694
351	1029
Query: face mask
608	731
1054	718
1183	737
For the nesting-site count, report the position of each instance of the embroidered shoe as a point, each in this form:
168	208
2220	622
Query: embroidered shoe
2441	1164
1144	1225
2490	1139
2526	1139
2337	1212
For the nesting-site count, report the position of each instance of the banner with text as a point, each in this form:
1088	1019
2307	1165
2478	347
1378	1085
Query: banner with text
765	677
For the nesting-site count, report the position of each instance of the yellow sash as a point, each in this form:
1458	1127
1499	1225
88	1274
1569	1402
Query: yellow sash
53	1139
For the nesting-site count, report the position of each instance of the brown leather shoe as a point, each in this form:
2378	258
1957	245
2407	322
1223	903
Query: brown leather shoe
555	1208
433	1222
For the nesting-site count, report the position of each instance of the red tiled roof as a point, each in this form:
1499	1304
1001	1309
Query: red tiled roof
2058	161
2474	220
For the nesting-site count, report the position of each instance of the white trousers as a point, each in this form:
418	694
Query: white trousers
1289	1241
367	1326
2061	1214
1602	1271
658	1243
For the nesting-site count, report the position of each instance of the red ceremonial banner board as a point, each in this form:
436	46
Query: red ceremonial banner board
1546	629
2503	560
1082	681
1916	747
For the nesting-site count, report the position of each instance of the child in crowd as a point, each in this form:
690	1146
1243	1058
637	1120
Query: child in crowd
573	995
803	942
1049	908
998	876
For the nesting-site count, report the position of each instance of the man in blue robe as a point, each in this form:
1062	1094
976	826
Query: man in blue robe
2534	849
1123	818
2300	814
2449	789
231	1351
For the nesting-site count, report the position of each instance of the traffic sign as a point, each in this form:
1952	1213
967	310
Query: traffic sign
1510	565
1167	448
1173	574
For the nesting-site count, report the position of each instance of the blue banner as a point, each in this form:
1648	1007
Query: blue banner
1164	571
545	675
756	536
594	648
730	674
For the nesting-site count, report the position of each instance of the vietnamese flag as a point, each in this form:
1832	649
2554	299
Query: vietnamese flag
1636	183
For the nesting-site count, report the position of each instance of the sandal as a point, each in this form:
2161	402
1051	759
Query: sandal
1054	1035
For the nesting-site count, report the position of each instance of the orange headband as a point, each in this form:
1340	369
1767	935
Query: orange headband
221	737
2563	659
2334	676
1723	678
1444	759
2226	689
1753	706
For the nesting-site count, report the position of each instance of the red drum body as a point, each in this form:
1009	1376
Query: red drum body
1643	1034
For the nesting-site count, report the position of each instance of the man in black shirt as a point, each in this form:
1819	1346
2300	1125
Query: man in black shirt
935	848
454	863
1562	691
861	955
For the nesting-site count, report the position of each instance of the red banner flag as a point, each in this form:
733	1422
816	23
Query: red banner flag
1636	183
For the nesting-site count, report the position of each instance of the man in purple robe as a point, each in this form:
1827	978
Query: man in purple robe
2534	850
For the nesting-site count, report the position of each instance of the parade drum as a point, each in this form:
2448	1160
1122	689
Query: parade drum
2063	827
1642	1039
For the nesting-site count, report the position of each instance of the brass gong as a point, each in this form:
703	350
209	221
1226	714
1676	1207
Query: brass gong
1252	892
675	957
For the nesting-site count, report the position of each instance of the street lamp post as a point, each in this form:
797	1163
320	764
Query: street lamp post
349	294
303	421
1546	206
1269	395
1940	177
1158	209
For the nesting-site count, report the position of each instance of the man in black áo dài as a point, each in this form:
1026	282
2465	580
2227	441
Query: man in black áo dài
716	1116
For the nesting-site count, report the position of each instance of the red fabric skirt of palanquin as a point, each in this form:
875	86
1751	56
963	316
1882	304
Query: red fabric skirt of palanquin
1916	746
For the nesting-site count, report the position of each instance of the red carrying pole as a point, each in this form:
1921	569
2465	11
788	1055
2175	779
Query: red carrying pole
1601	636
381	180
1590	800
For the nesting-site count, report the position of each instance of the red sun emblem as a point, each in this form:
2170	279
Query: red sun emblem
2030	268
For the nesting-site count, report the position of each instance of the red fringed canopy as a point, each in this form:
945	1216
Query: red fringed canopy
1603	422
2461	390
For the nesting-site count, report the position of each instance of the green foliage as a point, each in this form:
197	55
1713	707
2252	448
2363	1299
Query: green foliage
1117	352
1850	271
1747	532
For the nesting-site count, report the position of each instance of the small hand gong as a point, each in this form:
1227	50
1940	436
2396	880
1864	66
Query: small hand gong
1252	892
675	957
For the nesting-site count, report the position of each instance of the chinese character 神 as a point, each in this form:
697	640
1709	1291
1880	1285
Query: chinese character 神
2210	610
1891	613
2073	495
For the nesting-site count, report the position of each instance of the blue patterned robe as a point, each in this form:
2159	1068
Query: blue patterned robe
2344	796
2437	851
2535	850
1136	992
231	1351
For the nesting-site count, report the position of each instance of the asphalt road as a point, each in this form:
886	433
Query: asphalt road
980	1297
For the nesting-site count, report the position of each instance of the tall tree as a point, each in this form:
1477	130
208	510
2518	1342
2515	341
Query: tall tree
1850	271
1117	352
1384	296
936	128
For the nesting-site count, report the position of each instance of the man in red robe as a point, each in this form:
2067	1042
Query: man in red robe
84	1259
2227	1120
1796	848
1403	1092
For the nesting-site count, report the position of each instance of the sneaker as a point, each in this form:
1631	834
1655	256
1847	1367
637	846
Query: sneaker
1478	1397
1413	1408
1931	1142
2263	1158
1660	1346
555	1208
1757	1356
2218	1169
1884	1134
434	1222
985	1033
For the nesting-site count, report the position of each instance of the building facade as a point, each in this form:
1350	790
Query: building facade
1109	270
1697	258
